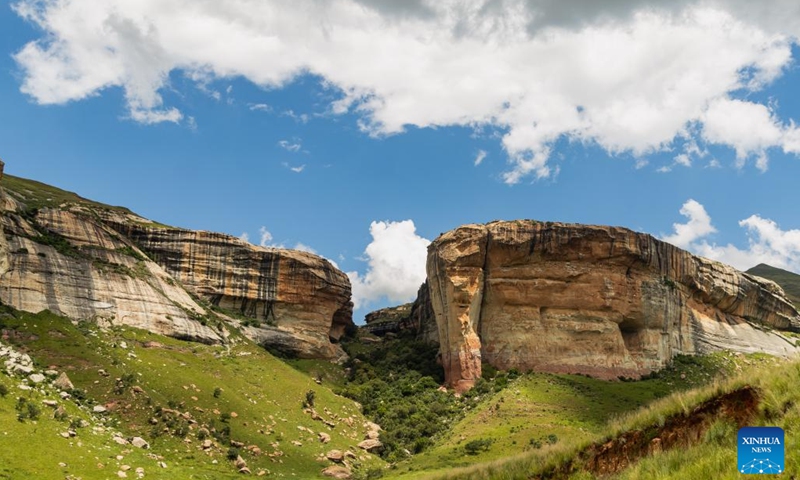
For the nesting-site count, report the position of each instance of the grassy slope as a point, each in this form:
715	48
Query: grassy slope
714	458
788	280
573	408
36	195
264	393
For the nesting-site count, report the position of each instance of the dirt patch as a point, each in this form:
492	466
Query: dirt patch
678	431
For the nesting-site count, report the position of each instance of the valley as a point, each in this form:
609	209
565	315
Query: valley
534	350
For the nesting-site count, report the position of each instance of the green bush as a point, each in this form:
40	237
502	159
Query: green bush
3	390
233	453
217	392
477	446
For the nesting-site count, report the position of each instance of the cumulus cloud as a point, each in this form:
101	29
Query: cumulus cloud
698	226
245	237
749	128
395	264
629	76
767	242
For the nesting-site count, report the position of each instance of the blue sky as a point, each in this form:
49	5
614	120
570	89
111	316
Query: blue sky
313	123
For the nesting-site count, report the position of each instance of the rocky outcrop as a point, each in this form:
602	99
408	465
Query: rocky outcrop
299	302
79	268
602	301
416	317
85	260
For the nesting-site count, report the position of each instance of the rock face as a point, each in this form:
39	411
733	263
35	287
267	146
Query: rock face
89	261
417	317
602	301
80	268
300	302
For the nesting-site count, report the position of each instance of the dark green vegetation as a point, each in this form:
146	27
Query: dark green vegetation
397	383
172	393
538	412
790	282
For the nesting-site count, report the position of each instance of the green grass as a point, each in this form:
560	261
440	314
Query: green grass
259	402
37	195
714	457
790	282
522	419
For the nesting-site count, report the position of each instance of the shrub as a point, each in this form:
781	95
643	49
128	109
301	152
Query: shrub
233	453
3	390
217	392
479	445
309	401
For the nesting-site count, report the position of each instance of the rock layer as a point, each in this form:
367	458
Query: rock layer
300	302
89	261
81	269
603	301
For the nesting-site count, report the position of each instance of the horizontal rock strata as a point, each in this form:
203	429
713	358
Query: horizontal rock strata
596	300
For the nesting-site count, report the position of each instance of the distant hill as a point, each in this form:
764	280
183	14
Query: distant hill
788	280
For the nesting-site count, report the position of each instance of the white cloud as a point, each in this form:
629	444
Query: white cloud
749	128
304	248
628	76
479	157
245	237
266	238
395	264
260	107
295	169
293	146
767	242
698	226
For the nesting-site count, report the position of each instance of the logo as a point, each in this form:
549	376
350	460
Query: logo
761	450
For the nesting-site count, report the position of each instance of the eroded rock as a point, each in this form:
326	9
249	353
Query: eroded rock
603	301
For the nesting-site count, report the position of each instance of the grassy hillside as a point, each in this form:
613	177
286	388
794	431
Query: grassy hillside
538	412
36	195
788	280
175	395
709	451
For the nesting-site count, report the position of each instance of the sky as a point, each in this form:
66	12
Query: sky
361	130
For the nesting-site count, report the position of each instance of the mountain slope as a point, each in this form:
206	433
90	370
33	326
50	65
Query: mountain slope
789	281
174	394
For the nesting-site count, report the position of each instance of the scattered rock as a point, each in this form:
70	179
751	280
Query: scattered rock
50	403
37	378
162	464
337	471
51	373
140	442
244	470
206	444
240	463
99	409
335	456
370	445
121	441
122	474
296	443
372	435
324	437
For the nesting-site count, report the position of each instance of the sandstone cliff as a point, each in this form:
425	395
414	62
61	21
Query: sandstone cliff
90	261
300	302
603	301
